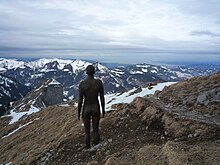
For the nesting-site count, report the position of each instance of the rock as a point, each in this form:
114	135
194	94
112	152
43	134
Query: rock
93	163
111	161
190	136
179	153
150	113
201	98
167	120
140	104
150	155
185	101
157	92
170	150
138	90
119	106
150	87
176	126
68	67
199	132
218	96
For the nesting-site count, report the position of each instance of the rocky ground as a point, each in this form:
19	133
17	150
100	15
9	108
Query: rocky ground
147	131
198	93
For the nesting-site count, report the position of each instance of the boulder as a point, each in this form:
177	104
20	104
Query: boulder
201	99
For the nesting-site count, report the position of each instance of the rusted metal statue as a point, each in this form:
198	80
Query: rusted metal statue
89	90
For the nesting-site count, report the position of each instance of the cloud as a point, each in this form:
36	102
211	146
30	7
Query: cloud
104	27
204	33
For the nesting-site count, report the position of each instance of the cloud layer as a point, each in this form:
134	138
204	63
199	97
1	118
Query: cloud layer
108	30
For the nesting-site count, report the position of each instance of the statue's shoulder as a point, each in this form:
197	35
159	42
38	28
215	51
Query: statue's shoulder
82	83
98	81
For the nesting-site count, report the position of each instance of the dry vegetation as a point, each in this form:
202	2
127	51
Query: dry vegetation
198	93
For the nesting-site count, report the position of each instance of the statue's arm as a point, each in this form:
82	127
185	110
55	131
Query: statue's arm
80	101
102	98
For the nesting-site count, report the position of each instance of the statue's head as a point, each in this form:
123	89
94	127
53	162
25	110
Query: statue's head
90	70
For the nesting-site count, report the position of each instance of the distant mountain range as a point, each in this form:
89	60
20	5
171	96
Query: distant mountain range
70	72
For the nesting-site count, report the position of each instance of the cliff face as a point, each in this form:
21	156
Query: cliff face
146	131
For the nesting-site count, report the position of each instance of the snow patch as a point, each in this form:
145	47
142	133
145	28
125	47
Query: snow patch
164	67
153	71
102	68
21	126
37	75
54	82
64	105
142	65
117	98
17	115
136	72
27	84
10	63
9	163
155	68
117	72
79	65
144	70
71	97
65	93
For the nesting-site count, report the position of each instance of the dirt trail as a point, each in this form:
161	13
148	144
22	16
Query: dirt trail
185	113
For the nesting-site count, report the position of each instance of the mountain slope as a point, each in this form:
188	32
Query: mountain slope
10	90
141	132
200	94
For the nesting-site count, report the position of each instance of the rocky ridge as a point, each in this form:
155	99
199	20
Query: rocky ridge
199	93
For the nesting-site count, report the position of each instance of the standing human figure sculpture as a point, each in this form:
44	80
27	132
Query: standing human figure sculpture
89	91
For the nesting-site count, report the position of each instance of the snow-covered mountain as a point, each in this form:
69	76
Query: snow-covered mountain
70	72
10	90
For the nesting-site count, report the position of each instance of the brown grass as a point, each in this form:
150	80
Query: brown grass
54	124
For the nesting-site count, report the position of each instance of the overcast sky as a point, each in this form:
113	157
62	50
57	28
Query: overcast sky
124	31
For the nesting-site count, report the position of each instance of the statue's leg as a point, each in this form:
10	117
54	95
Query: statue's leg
95	124
86	121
